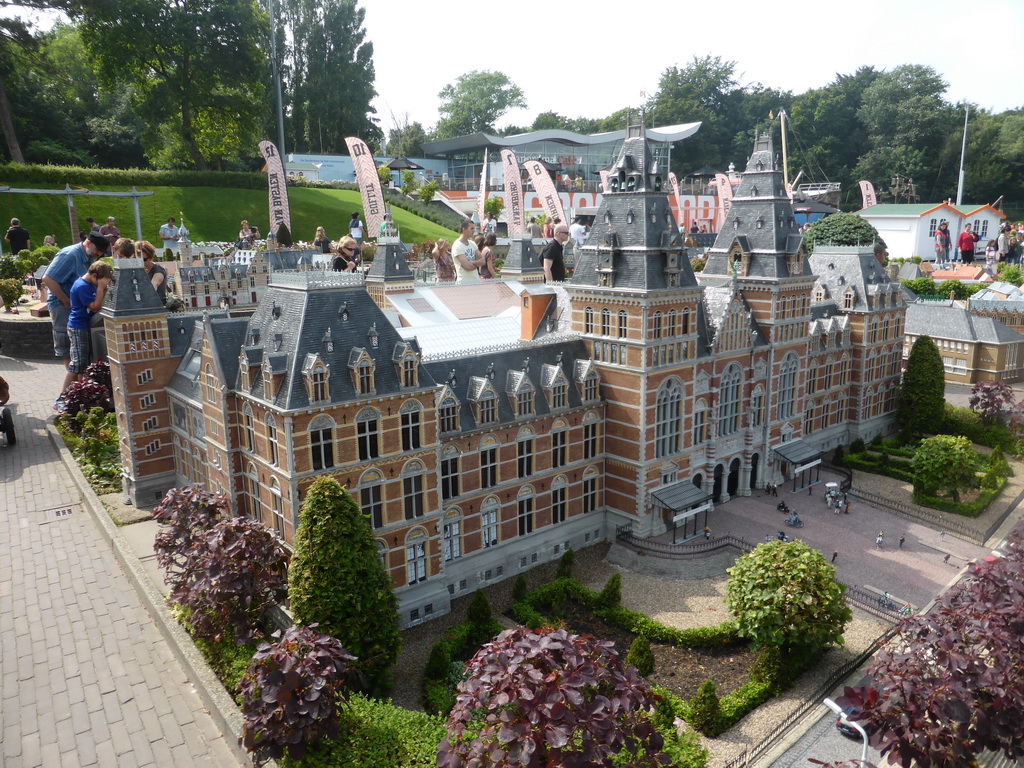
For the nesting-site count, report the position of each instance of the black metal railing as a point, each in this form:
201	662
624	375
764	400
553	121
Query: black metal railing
958	528
624	534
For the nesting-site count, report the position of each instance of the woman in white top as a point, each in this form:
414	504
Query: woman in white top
355	228
464	254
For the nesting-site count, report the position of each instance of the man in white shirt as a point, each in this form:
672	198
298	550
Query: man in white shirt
464	254
169	234
490	226
578	233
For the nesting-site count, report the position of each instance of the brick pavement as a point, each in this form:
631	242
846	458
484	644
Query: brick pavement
87	680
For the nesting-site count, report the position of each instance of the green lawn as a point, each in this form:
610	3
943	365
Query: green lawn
210	213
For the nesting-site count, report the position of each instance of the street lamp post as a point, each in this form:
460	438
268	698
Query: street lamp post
842	716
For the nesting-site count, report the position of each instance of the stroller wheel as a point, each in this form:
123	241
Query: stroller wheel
7	425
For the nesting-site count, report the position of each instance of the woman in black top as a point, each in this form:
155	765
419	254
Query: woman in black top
348	255
322	242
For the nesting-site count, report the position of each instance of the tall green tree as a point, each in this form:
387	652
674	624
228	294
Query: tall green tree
907	121
923	391
196	67
944	463
704	90
337	580
785	595
406	139
475	102
330	77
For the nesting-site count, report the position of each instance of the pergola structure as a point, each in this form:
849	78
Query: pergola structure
70	193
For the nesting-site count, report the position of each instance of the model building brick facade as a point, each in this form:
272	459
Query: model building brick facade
486	428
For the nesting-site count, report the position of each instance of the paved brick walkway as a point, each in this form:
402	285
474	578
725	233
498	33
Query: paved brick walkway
86	678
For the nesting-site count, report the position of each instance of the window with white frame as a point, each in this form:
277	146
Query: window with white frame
558	500
410	416
210	384
321	443
623	323
590	491
488	464
251	485
524	451
559	394
277	500
248	430
271	427
451	537
416	557
668	418
524	511
606	322
489	522
488	408
449	475
371	497
729	401
368	434
559	436
787	386
588	320
412	490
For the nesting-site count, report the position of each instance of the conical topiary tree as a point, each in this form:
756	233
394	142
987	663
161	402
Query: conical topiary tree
923	392
337	580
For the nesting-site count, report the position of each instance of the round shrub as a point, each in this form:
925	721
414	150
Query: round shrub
640	656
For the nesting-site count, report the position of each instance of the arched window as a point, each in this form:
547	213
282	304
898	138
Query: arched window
729	400
271	425
451	537
670	329
367	434
559	490
700	422
277	500
787	386
623	323
448	415
211	384
416	555
412	490
588	320
371	497
559	443
606	319
410	413
489	521
252	491
321	442
248	430
668	418
524	510
656	326
591	490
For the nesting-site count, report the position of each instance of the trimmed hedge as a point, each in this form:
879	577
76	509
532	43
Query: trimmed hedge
13	173
972	509
867	462
443	669
965	422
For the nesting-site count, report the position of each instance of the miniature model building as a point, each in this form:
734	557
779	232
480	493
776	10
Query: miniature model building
486	428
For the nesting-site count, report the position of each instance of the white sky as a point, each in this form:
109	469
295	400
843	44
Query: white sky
591	58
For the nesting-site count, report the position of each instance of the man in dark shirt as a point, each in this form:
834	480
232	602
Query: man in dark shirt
18	237
110	231
551	256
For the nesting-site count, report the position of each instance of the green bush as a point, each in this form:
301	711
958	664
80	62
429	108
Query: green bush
10	292
998	463
990	480
611	595
705	709
444	665
131	177
967	423
524	613
971	509
837	455
771	668
438	662
640	655
740	702
336	580
375	734
565	563
479	612
876	441
857	446
519	588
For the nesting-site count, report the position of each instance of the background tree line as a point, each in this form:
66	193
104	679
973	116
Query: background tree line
176	84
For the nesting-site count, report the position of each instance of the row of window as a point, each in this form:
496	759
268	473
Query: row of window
660	325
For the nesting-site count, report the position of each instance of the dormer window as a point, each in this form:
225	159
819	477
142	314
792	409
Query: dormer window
448	415
254	337
607	217
630	217
343	312
361	367
657	183
328	341
654	216
278	341
372	336
631	184
753	191
759	224
317	378
848	298
275	311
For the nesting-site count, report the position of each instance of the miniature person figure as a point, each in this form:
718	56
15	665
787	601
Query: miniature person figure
966	243
903	540
246	237
835	554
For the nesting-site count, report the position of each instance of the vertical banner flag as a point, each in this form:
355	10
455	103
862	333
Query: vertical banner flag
675	191
724	199
604	180
513	192
545	189
483	190
279	213
368	182
867	194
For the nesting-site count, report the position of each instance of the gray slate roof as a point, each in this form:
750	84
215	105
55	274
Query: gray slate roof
839	268
131	291
940	320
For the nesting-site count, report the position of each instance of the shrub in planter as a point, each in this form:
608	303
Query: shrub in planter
640	656
99	372
292	692
705	710
185	515
231	579
857	446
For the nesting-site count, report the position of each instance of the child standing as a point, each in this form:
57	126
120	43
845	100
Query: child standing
87	294
991	255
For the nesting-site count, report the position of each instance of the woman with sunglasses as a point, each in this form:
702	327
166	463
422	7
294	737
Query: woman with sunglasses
157	274
348	255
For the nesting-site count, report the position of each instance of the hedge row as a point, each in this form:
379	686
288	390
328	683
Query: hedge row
13	173
964	421
893	469
972	509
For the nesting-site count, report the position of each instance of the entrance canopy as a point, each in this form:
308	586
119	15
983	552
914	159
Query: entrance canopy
799	454
680	496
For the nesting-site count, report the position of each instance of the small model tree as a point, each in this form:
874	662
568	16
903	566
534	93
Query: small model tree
428	190
841	229
944	463
990	398
337	580
785	594
550	698
409	183
494	206
923	392
948	686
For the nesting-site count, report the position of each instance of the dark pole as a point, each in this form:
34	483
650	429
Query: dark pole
277	81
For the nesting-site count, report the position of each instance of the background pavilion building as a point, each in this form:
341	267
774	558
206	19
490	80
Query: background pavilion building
486	428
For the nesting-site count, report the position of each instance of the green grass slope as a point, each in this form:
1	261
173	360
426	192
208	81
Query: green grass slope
210	213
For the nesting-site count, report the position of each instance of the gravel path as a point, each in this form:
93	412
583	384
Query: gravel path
677	602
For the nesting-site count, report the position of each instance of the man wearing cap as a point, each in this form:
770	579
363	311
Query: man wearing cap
551	256
67	266
110	232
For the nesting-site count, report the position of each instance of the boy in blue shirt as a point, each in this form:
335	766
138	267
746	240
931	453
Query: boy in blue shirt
87	294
